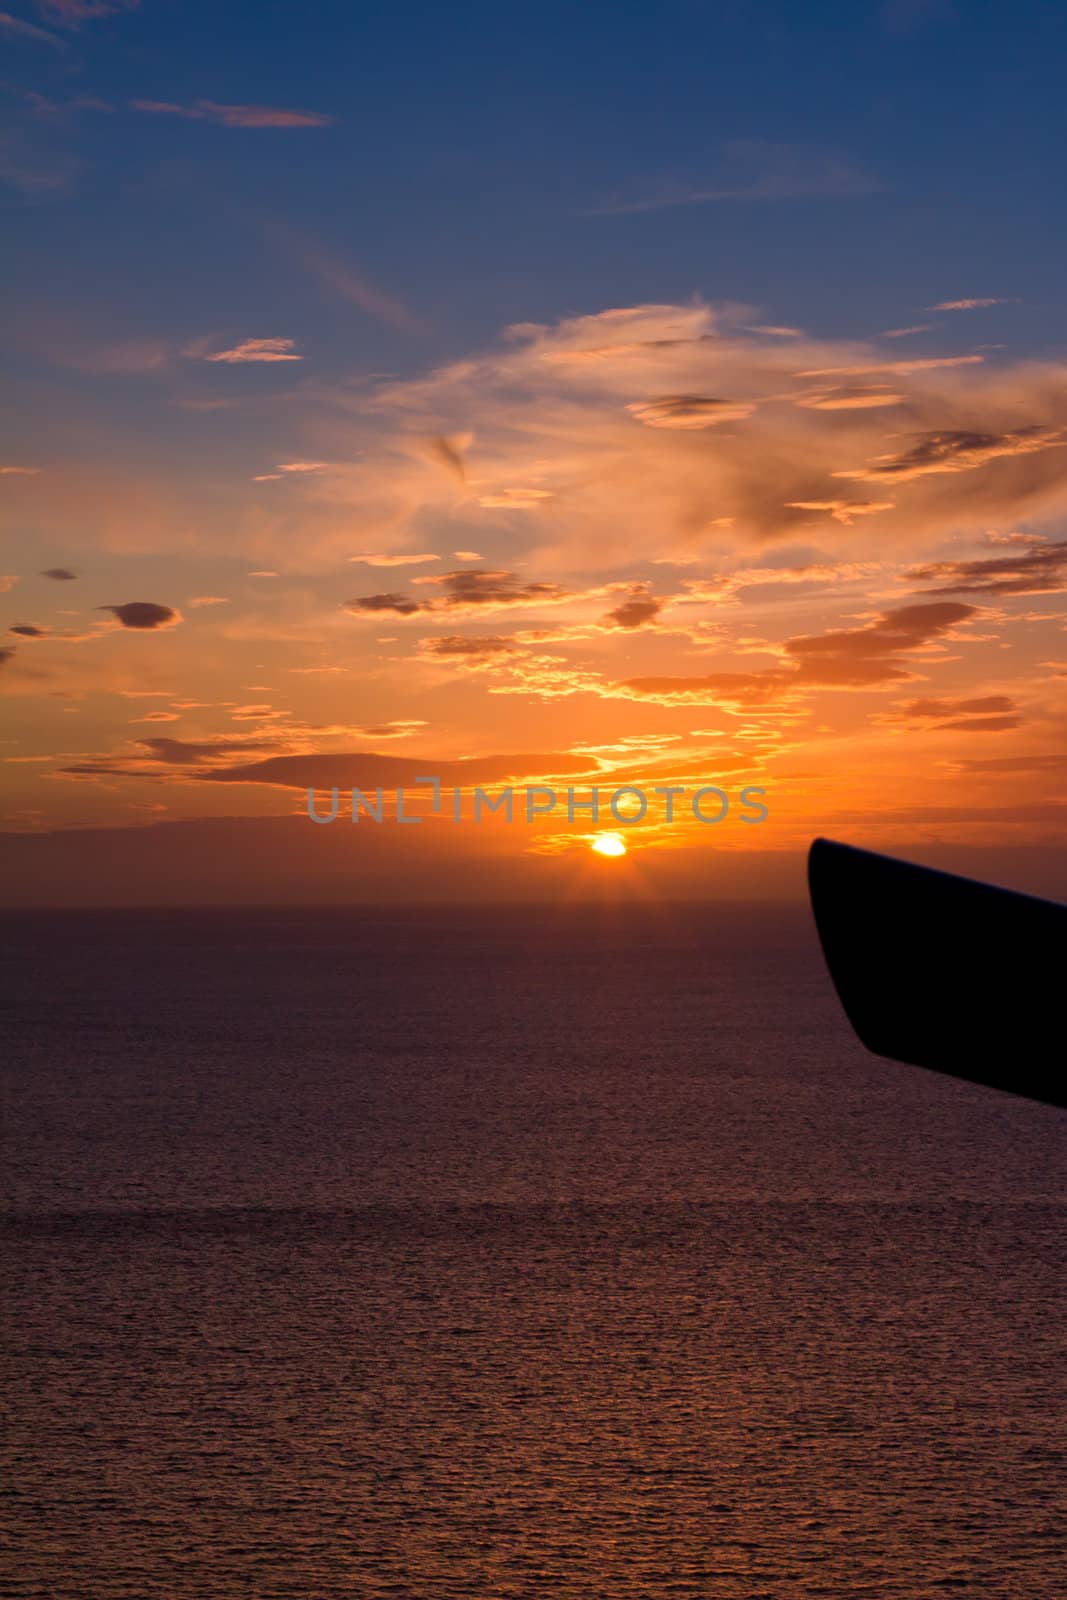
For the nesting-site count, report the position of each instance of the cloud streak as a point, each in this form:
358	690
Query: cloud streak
754	169
968	305
256	350
1041	569
395	561
957	451
75	11
371	771
234	116
344	280
27	30
465	590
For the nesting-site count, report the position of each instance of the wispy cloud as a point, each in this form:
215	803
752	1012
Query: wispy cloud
469	591
688	411
257	350
1038	569
285	468
843	511
75	11
448	453
969	305
394	561
863	399
26	30
754	169
901	369
991	713
370	771
468	647
514	497
957	451
235	116
353	286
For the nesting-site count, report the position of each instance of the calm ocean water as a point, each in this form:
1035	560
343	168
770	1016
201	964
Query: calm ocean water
519	1253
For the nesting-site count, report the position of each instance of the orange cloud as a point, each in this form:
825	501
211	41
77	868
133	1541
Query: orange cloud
548	416
258	350
852	400
968	305
468	647
395	561
842	510
638	611
957	451
899	369
465	590
850	658
578	458
688	411
1040	569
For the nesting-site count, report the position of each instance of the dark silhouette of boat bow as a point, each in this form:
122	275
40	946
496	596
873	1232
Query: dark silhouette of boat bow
945	972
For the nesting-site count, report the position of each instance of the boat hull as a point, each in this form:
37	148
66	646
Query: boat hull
945	972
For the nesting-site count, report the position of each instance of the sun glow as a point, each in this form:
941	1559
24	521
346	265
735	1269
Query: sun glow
609	844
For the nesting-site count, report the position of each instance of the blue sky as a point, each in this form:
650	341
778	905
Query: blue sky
471	143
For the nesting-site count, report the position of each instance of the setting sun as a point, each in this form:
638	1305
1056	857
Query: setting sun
609	844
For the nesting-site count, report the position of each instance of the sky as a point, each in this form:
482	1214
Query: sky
650	394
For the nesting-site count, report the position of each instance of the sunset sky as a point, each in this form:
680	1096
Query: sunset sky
642	393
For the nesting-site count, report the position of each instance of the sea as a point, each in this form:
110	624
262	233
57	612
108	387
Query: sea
561	1252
